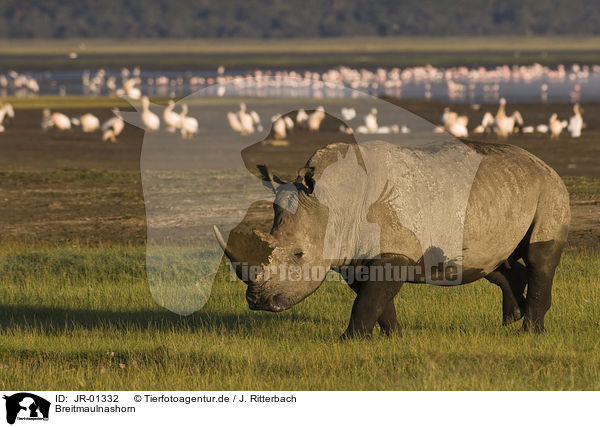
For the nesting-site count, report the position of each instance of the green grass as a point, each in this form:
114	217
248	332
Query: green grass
583	187
329	52
78	102
298	45
83	318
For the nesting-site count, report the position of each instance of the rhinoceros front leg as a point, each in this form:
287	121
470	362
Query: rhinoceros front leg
374	303
388	322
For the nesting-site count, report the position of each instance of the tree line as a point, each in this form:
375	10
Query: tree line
294	18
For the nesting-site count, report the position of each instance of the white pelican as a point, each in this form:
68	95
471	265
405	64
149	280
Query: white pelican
89	123
301	117
505	125
289	123
281	126
113	127
246	120
542	128
316	118
279	129
528	129
486	123
6	110
256	119
388	129
150	120
189	125
371	121
448	117
556	126
575	122
348	113
171	118
458	128
57	120
234	122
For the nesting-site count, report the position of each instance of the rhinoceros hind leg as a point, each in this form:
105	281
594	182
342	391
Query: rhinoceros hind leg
541	260
512	281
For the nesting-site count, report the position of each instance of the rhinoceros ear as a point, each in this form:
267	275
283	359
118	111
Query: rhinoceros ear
305	179
269	180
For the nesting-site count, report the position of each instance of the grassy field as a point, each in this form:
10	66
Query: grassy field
80	316
359	51
298	45
83	318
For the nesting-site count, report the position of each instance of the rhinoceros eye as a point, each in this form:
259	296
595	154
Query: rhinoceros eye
298	254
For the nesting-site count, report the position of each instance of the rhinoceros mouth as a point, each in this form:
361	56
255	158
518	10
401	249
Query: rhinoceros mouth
273	303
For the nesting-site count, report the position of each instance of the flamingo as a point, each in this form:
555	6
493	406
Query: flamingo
129	88
57	120
189	125
150	120
171	118
575	122
113	127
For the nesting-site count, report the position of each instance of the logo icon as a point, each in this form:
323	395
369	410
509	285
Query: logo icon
26	406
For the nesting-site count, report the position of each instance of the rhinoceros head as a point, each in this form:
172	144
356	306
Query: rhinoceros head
283	267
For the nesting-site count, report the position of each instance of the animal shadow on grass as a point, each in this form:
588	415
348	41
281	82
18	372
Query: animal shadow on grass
63	319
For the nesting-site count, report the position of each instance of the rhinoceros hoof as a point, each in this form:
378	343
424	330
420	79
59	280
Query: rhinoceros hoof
533	327
394	331
516	314
353	335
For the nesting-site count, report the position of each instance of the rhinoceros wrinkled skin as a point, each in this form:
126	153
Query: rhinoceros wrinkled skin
447	213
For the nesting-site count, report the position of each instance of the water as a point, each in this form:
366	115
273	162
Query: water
460	88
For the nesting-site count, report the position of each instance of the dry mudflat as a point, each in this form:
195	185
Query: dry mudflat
70	186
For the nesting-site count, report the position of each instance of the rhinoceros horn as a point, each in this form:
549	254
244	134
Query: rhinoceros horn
223	245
